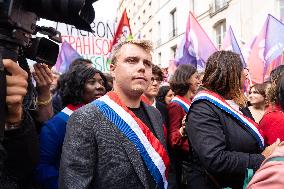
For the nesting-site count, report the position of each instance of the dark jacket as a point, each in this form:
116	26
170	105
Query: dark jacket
96	154
22	147
22	150
221	146
164	112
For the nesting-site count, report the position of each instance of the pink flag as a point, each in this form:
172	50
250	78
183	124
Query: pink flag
246	50
171	69
65	57
196	47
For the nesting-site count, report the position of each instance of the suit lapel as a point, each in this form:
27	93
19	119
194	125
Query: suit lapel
156	124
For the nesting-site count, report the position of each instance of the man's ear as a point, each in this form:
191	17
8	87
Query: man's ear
111	70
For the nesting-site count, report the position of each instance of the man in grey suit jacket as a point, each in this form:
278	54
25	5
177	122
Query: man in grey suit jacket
117	141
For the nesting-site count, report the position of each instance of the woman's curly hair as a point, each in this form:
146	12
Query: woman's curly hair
275	76
179	82
280	92
223	76
72	83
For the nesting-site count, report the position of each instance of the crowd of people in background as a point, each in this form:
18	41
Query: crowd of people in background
129	129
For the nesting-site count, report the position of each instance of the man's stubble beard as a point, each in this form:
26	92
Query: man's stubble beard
137	91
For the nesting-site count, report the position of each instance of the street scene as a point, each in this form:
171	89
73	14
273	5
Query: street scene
176	94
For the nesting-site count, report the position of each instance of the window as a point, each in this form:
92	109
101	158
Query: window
174	22
220	29
281	6
150	34
159	58
139	35
220	4
150	3
159	29
173	51
159	41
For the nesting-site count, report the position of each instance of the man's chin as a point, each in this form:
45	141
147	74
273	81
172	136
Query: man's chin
137	91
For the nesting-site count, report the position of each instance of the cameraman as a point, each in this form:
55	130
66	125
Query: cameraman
20	137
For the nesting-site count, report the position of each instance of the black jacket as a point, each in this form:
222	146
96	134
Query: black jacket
164	112
22	149
221	148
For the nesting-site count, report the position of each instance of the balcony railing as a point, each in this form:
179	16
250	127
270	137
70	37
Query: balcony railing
215	7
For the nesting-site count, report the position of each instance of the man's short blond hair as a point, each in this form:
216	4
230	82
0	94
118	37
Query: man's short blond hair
145	44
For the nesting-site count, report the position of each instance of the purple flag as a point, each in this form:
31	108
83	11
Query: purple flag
183	56
196	46
274	40
230	43
65	57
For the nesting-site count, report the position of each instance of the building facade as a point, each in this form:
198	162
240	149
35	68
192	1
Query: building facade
164	21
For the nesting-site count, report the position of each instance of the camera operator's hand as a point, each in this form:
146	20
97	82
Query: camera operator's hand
43	77
16	90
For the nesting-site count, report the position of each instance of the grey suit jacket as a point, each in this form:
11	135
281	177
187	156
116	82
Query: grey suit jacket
96	154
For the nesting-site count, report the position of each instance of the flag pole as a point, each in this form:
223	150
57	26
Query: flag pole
282	61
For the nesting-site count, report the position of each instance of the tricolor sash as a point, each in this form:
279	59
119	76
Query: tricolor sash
223	105
149	147
67	111
182	101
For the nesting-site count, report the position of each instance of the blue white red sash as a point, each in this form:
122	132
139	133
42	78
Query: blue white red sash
182	101
149	147
67	111
223	105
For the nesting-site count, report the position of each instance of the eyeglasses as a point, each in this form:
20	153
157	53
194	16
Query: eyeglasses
156	79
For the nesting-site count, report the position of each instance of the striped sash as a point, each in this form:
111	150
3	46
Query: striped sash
182	101
67	111
223	105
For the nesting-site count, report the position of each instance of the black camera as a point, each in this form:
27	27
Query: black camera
18	21
18	24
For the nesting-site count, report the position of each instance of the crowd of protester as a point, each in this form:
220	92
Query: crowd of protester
129	129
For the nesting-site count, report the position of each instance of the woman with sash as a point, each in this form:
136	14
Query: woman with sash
83	84
184	84
224	142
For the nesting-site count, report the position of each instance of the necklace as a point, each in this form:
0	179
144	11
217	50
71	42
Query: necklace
257	114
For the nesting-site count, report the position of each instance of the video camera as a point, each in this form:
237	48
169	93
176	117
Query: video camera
18	23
